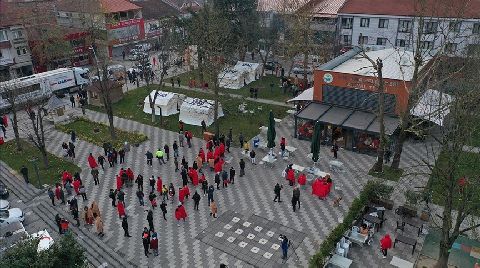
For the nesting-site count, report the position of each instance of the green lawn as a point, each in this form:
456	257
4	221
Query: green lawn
131	107
14	159
263	85
85	131
468	165
388	173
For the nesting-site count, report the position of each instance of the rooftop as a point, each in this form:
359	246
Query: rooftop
281	6
96	6
434	8
397	63
324	8
156	9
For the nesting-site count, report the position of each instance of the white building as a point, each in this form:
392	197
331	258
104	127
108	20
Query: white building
378	24
15	60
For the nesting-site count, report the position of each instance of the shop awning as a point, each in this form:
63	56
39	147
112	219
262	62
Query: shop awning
306	95
391	124
433	106
359	120
336	115
313	111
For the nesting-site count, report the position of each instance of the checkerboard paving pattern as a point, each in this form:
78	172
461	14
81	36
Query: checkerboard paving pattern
254	240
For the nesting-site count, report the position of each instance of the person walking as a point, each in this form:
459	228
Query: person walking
153	199
113	196
146	243
175	149
211	189
217	180
95	173
159	185
277	190
204	126
181	138
101	161
154	244
205	187
164	192
213	209
139	181
121	153
99	225
125	228
149	156
242	167
224	179
196	200
72	100
189	136
285	245
73	136
166	149
74	211
159	155
150	220
180	213
296	198
51	195
385	245
175	163
252	157
232	175
241	140
171	191
163	207
140	196
151	182
24	171
335	150
121	196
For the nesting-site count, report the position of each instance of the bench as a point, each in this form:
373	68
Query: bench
339	261
406	240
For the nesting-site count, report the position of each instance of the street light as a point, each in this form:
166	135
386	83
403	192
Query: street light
34	161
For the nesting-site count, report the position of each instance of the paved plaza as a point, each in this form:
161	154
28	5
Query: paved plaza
197	242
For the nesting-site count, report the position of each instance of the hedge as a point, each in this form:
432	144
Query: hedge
373	189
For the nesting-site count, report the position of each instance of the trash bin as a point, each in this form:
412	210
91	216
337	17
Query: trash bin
256	142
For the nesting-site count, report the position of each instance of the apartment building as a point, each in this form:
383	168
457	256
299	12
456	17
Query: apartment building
450	26
15	59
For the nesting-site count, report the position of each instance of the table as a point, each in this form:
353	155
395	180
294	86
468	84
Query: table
401	263
413	223
298	168
290	149
317	172
375	220
340	261
406	240
357	238
269	160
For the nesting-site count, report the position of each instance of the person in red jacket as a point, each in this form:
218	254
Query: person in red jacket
119	183
385	245
291	176
76	186
66	176
194	177
181	195
210	155
180	213
130	175
218	165
92	162
201	154
159	185
222	149
302	179
58	193
121	209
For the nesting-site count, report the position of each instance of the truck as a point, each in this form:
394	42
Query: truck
43	85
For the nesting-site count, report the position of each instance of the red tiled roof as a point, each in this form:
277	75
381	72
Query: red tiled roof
111	6
433	8
96	6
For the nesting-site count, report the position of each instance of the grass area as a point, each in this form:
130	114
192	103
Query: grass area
389	173
85	131
468	165
263	85
475	141
50	175
131	107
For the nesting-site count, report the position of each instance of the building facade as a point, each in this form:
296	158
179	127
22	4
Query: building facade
15	59
381	24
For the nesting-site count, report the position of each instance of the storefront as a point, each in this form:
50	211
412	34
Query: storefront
122	33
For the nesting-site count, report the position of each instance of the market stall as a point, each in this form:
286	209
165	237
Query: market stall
194	110
243	73
168	102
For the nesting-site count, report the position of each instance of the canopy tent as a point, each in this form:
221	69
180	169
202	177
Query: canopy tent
194	110
243	73
433	106
167	101
306	95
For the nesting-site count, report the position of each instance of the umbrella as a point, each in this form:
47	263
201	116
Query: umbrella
315	146
271	134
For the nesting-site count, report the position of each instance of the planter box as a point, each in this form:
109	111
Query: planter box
407	211
387	204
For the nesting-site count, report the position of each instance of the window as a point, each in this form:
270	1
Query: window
347	23
381	41
362	40
451	48
21	51
402	43
430	27
476	28
405	26
364	22
17	34
454	26
426	44
383	23
347	39
3	35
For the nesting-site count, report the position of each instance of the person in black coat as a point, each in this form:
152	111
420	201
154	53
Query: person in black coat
150	220
277	190
217	180
125	227
196	200
242	167
139	182
149	156
166	149
211	189
232	175
225	179
184	176
163	207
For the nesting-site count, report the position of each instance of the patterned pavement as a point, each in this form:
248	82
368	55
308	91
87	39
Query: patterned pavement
251	196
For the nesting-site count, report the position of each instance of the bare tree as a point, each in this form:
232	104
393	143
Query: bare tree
269	34
9	91
36	134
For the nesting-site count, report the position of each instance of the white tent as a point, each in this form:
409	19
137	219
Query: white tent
194	110
306	95
239	75
167	101
433	106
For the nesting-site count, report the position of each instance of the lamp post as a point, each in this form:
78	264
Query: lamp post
34	161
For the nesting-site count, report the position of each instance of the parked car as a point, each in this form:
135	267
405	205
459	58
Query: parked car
299	69
11	234
46	241
3	191
4	204
10	216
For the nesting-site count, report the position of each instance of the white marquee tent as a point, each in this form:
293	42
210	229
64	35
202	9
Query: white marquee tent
194	110
169	102
239	75
433	106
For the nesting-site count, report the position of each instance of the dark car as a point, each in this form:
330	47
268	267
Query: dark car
270	65
3	191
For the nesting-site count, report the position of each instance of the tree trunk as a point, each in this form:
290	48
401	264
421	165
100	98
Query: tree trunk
305	65
44	154
161	116
15	130
444	253
217	125
110	123
378	166
399	147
